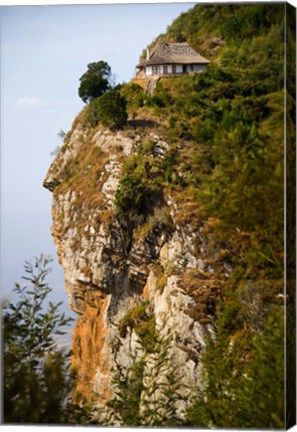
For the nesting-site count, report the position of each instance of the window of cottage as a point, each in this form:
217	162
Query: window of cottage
165	69
173	69
154	69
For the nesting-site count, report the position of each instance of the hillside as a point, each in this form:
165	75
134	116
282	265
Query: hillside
170	232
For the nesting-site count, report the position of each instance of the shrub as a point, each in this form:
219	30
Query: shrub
131	198
109	109
112	109
134	96
143	323
138	191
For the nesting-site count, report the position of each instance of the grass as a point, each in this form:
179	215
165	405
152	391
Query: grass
142	321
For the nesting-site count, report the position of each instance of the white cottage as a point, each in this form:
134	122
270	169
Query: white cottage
172	59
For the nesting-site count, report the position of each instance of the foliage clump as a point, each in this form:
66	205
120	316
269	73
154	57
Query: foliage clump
140	189
135	97
109	110
143	323
106	104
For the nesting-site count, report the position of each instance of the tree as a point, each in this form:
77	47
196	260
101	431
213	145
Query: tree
95	81
37	377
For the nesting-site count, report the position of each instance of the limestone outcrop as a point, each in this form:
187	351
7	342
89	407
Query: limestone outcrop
130	283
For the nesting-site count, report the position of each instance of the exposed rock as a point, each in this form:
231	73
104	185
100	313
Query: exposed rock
108	271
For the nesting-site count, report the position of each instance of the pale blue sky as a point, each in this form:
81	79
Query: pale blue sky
44	51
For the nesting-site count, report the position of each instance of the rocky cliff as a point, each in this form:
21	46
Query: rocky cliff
130	282
170	233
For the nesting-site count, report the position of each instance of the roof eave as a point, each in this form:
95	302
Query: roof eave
160	62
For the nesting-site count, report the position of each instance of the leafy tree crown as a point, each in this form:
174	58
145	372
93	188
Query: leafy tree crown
95	81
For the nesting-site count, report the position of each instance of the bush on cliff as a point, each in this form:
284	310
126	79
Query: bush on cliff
134	95
139	189
111	108
108	109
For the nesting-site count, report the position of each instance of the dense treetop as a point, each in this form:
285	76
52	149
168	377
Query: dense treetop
95	81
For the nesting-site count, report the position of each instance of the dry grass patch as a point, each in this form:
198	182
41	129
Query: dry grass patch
207	293
188	210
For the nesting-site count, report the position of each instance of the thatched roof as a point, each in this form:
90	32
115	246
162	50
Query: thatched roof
172	53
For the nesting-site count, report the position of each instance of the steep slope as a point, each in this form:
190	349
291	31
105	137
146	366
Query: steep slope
170	232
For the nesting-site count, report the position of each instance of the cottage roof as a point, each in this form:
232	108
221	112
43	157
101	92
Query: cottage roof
173	53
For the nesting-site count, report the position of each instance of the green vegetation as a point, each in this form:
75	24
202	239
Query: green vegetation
105	102
148	392
143	323
225	128
95	81
111	108
139	197
135	97
229	121
124	407
140	188
37	377
244	378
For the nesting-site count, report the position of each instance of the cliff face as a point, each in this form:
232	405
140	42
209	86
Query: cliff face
130	284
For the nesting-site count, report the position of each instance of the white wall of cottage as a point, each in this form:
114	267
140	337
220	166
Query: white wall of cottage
178	69
148	70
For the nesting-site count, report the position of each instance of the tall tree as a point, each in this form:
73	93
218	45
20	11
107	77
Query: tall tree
95	81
